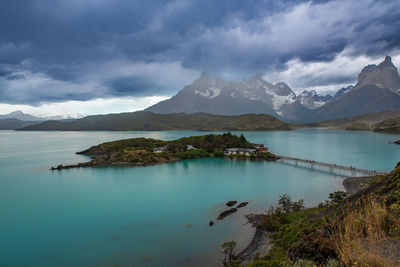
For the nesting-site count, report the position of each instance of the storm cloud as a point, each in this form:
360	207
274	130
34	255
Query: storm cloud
55	51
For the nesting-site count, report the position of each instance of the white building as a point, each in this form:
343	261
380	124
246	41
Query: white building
240	151
160	149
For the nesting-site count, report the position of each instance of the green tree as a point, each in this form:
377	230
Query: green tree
297	205
337	196
227	249
285	203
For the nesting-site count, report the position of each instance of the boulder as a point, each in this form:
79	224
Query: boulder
231	203
226	213
211	223
242	204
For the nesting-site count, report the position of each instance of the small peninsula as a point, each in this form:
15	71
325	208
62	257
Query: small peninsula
148	151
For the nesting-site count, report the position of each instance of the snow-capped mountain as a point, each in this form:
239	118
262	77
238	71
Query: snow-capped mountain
312	100
217	96
19	115
28	117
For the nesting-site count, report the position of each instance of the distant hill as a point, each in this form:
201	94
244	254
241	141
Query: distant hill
388	126
136	121
379	122
12	124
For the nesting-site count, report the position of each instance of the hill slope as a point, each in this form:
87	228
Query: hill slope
367	122
152	121
361	230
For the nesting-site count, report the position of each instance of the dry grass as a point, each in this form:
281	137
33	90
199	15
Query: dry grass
360	235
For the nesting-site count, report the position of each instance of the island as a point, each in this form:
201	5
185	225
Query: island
148	151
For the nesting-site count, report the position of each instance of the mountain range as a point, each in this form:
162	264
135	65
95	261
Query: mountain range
18	119
19	115
377	90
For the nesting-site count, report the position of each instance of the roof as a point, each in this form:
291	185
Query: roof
241	150
161	148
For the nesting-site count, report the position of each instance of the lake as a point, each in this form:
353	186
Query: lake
157	215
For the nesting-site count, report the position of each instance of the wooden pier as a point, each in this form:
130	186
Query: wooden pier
312	164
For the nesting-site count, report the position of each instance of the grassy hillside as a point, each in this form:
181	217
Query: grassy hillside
388	126
368	122
361	230
152	121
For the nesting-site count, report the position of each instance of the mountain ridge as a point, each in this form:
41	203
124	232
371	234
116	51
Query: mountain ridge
149	121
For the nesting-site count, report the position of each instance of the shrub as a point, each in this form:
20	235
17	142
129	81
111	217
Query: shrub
219	153
337	196
192	154
315	246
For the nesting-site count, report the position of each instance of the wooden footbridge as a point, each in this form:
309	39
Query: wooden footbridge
314	164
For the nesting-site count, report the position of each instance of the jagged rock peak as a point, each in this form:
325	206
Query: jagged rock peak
383	75
386	63
203	75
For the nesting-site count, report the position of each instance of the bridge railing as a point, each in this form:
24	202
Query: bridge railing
333	166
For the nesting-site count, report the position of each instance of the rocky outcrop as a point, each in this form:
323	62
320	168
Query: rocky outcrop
231	203
242	204
226	213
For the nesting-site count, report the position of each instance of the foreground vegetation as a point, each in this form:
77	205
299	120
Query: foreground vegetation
140	151
360	230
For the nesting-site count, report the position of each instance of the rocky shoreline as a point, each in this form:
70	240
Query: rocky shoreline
354	184
105	164
260	244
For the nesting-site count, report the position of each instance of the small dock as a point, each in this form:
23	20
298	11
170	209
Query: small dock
331	167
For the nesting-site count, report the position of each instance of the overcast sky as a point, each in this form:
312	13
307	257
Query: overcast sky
101	56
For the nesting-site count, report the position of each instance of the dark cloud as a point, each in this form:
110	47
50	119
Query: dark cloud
77	44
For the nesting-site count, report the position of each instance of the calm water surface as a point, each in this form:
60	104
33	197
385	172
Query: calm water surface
158	215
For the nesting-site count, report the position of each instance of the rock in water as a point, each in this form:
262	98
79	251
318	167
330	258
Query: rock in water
242	204
211	223
231	203
226	213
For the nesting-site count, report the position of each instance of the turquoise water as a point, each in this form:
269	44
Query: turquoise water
158	215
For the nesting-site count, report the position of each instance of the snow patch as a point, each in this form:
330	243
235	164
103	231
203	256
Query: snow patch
209	93
280	100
